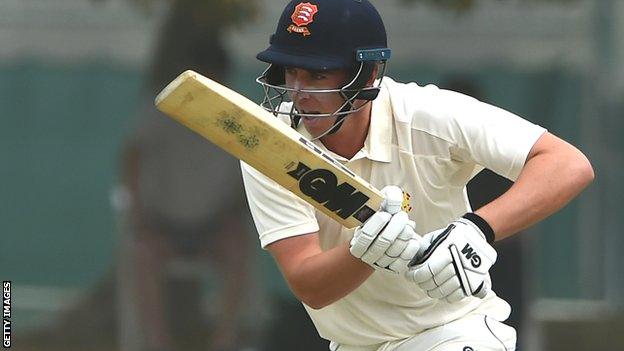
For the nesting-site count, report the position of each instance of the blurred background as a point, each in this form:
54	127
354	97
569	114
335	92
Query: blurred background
122	231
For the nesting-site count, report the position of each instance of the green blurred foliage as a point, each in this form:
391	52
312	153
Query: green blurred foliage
453	5
460	6
223	12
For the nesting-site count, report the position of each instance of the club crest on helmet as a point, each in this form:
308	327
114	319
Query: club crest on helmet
302	15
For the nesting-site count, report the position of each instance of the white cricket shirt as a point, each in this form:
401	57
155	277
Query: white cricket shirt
430	142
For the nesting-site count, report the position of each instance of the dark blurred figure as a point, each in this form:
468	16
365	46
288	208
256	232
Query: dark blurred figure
186	198
291	328
483	188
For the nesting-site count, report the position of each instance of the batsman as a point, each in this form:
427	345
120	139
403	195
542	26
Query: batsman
414	276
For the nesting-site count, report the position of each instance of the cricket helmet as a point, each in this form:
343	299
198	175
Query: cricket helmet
324	34
321	35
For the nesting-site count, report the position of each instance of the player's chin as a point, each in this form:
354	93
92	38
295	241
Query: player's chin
314	132
316	126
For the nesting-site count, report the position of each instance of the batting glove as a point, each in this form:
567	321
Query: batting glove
393	199
371	240
388	239
456	263
407	245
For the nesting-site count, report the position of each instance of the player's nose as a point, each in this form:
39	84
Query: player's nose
299	91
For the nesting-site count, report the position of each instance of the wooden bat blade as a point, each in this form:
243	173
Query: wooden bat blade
248	132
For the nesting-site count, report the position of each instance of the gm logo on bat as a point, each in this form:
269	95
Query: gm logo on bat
322	186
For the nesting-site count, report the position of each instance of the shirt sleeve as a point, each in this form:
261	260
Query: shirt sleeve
277	212
481	133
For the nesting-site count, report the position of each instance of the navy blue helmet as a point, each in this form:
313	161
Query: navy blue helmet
324	34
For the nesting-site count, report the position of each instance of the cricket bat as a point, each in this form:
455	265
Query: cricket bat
255	136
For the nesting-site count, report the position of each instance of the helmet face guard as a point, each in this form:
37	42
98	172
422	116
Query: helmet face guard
276	93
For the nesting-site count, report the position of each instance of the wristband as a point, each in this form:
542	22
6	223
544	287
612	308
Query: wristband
481	223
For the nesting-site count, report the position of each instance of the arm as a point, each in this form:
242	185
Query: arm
318	278
554	173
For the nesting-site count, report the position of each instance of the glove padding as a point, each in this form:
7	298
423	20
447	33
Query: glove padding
393	199
388	240
371	240
407	245
456	263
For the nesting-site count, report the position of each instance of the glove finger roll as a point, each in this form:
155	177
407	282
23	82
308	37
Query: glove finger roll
439	260
393	199
439	279
387	236
420	273
365	235
412	249
399	265
385	261
455	296
396	249
445	289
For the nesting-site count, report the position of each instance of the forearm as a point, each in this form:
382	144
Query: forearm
322	277
548	181
329	276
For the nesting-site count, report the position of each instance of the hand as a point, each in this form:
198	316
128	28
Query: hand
456	263
407	245
388	239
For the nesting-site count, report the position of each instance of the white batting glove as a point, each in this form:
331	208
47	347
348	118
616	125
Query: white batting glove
393	199
407	245
456	263
388	239
371	240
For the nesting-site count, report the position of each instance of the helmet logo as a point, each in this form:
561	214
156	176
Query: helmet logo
303	15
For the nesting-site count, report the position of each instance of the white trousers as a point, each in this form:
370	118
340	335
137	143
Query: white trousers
474	332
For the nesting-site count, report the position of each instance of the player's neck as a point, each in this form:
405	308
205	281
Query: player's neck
350	138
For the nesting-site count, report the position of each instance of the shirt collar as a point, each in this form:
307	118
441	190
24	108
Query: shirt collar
378	144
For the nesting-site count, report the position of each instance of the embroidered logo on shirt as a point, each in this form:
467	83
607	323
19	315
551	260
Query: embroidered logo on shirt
405	206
